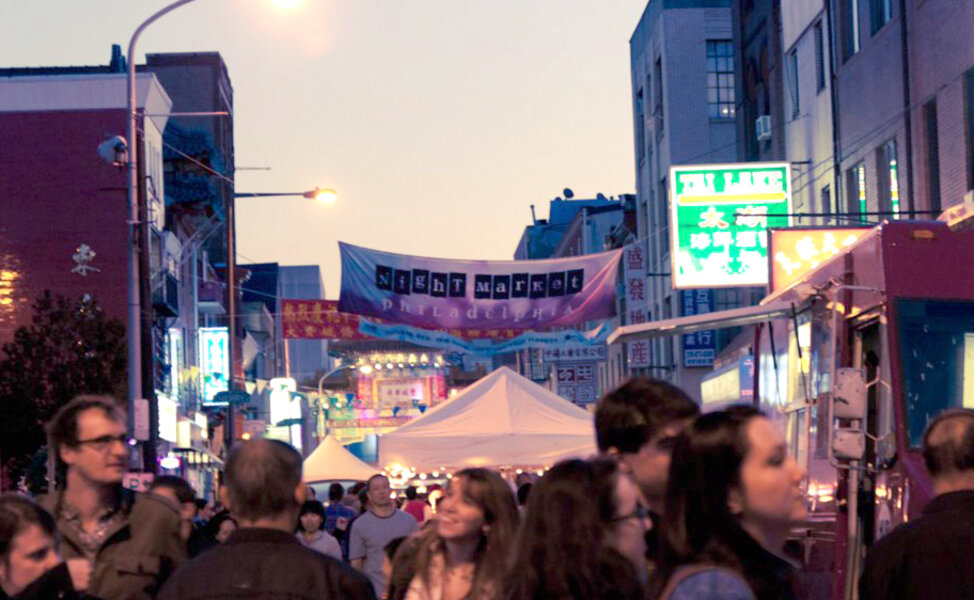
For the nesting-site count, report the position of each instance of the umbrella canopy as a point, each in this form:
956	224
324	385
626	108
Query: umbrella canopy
502	420
330	461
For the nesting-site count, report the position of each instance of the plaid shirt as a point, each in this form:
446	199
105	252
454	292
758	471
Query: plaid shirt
92	540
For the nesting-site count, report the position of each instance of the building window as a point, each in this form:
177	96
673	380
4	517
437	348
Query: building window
826	198
889	189
658	96
856	188
849	15
819	56
640	127
933	153
720	79
881	11
792	74
969	122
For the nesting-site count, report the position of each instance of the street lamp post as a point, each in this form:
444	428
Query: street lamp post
315	194
134	314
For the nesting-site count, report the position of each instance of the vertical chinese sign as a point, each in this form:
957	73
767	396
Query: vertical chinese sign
721	215
637	304
699	347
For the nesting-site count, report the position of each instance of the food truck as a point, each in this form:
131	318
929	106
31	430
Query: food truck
854	358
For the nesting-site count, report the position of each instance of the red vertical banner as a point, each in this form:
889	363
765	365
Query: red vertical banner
440	388
364	392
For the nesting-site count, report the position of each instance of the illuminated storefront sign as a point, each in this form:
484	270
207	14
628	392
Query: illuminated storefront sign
720	216
168	418
730	385
175	361
795	252
398	392
214	361
280	398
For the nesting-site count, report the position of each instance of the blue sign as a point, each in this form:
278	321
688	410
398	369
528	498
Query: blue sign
699	347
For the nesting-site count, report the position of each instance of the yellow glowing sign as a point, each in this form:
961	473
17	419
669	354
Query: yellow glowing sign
795	252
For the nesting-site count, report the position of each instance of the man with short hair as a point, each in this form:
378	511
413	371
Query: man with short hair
930	557
263	558
638	423
130	540
178	491
381	524
338	516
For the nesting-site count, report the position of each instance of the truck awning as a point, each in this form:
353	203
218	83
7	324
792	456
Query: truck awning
723	319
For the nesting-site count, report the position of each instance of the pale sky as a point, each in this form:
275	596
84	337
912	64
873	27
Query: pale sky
439	122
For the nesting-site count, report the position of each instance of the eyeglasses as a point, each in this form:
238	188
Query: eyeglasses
641	513
104	443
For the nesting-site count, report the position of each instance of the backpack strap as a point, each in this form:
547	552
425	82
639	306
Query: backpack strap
687	571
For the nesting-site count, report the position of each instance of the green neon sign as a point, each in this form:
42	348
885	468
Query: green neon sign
720	219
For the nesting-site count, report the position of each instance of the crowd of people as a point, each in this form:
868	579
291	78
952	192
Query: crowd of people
677	506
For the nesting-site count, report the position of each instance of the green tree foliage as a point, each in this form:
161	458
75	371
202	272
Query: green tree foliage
69	348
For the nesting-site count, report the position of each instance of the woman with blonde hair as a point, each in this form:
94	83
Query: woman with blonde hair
464	553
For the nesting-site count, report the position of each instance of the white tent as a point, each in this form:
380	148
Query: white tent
502	420
330	461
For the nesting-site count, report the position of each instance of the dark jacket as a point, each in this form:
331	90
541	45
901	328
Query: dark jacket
53	585
928	558
138	554
266	564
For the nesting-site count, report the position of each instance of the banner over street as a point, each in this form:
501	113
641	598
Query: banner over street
477	294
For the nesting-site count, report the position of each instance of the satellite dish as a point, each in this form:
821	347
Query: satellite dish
569	194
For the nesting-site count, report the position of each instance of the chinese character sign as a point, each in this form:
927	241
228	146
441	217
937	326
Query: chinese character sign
795	252
721	215
637	305
577	382
214	361
699	347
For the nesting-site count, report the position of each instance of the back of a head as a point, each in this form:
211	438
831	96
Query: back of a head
706	465
948	444
180	487
563	546
262	476
335	492
629	416
411	493
17	513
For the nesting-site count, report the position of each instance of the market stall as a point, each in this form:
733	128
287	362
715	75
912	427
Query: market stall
502	421
330	461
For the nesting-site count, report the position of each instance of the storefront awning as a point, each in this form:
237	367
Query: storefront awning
723	319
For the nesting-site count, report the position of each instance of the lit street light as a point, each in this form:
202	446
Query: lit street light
325	195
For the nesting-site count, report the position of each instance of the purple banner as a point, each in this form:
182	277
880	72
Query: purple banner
477	294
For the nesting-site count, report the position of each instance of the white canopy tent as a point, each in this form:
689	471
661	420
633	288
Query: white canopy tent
330	461
502	420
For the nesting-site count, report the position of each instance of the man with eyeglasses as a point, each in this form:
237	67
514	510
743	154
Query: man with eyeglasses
131	540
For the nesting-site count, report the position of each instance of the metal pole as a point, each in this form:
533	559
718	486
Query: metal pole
134	329
232	322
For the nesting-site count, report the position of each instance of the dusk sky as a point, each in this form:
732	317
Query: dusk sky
439	122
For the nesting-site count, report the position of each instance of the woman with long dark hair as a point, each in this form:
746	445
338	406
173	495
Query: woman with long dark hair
733	494
583	536
464	553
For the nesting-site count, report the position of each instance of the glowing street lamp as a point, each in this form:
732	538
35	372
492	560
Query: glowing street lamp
323	195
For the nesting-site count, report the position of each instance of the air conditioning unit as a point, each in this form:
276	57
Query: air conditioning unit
763	127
